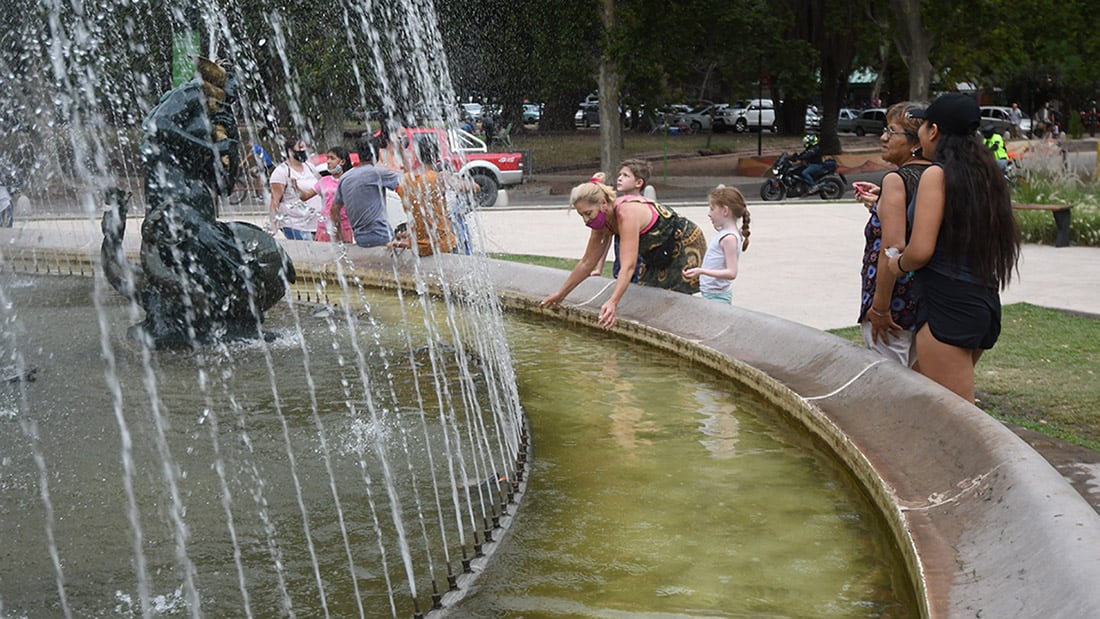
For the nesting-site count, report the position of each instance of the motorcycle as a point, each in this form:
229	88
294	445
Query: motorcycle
788	182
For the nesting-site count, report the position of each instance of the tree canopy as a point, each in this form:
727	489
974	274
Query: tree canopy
305	66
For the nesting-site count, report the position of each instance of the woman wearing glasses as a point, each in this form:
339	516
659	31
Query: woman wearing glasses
964	244
887	311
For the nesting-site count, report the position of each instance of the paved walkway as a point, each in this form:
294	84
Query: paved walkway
804	258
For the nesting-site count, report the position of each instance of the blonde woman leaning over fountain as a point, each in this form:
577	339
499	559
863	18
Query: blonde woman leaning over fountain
664	242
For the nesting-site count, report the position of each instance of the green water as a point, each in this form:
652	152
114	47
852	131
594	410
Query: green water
660	489
657	490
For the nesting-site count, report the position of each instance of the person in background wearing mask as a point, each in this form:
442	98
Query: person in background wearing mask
296	218
338	162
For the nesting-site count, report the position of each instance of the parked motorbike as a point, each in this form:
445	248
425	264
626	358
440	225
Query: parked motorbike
787	182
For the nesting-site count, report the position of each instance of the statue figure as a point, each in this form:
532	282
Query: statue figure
199	279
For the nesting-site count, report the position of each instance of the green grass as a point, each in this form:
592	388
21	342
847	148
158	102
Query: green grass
542	261
1043	374
581	149
566	264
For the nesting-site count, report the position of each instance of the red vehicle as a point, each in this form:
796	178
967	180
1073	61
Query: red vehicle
467	155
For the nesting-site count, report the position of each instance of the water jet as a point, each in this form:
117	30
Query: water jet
295	477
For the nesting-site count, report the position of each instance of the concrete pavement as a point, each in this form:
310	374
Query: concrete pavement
804	258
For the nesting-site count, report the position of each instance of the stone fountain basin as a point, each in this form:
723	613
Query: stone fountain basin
986	525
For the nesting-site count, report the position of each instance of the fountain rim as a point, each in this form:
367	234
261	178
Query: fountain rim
963	496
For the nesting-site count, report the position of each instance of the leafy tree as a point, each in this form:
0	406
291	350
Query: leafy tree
827	42
544	52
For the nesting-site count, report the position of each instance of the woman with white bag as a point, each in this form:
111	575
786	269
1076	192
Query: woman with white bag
297	218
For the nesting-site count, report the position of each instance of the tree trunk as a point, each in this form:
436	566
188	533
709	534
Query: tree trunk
610	82
332	128
914	45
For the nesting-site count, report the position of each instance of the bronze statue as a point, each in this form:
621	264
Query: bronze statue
199	279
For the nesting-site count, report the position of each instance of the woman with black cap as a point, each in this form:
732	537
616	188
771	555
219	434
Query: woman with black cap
964	244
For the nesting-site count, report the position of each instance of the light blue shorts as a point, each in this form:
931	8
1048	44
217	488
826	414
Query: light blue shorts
726	296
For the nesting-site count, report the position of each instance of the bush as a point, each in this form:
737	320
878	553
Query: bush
1059	188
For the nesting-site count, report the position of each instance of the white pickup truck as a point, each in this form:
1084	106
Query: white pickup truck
752	114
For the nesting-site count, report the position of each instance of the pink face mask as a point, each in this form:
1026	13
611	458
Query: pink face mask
598	222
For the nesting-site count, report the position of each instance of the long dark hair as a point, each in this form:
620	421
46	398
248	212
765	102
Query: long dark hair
978	229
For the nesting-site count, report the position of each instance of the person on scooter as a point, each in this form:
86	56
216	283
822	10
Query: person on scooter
812	157
996	144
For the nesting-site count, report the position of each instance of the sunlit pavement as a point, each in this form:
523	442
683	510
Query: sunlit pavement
804	259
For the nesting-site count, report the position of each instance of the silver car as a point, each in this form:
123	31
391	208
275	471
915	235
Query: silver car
699	118
870	121
587	115
998	117
846	120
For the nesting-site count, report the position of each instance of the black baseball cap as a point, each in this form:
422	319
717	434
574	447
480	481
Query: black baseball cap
954	113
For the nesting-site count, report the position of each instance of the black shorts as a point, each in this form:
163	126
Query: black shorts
958	313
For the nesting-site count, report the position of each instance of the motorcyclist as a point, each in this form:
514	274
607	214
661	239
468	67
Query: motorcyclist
812	157
996	143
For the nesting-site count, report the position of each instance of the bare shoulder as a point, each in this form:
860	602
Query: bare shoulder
932	176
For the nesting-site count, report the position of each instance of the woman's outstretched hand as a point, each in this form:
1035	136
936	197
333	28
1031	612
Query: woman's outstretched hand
553	300
607	314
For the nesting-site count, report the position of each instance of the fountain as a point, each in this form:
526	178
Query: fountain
371	456
199	279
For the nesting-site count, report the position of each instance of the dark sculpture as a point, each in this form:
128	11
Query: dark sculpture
199	279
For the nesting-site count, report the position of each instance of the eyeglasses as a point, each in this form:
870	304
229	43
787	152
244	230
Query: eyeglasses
889	133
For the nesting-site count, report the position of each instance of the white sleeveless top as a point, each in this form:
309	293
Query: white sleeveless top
715	258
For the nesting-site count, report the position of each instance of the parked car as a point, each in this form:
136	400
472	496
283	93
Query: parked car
998	117
700	118
813	119
469	156
532	112
870	121
756	114
588	114
471	111
846	120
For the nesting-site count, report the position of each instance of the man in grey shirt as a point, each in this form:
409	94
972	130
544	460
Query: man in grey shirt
362	190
